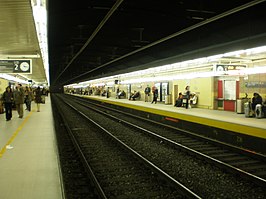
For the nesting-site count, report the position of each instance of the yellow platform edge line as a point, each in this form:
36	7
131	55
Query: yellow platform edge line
238	128
14	135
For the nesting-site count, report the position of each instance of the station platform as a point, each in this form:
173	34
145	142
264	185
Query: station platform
226	126
29	165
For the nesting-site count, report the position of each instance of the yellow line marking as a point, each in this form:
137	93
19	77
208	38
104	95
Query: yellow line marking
3	150
238	128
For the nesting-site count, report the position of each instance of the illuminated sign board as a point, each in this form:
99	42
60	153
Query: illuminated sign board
228	67
16	66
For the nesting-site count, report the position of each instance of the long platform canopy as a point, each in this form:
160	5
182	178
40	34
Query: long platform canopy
20	53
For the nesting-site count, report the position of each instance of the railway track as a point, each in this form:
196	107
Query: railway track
120	172
236	160
77	182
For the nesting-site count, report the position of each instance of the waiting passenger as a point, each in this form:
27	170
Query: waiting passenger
186	95
131	95
29	98
264	107
97	91
193	99
19	99
121	94
8	100
103	93
134	95
147	92
257	99
155	94
179	100
38	98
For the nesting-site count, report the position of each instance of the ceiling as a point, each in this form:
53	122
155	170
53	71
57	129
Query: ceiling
90	39
18	38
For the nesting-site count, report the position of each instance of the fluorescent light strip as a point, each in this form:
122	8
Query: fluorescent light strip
12	78
180	66
40	18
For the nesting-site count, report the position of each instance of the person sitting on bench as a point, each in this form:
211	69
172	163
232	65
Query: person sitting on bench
121	94
179	100
193	99
134	95
257	99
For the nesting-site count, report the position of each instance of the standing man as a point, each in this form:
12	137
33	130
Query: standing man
8	100
28	98
19	99
38	98
147	92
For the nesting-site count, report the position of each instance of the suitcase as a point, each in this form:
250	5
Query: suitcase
258	111
247	109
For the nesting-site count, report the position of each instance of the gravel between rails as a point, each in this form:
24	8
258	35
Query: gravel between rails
203	178
120	175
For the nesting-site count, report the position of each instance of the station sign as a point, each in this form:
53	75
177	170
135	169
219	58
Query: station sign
228	67
16	66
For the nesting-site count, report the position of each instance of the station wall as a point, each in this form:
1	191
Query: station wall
3	85
206	88
203	87
253	84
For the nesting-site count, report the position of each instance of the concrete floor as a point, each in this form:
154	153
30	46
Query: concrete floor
29	167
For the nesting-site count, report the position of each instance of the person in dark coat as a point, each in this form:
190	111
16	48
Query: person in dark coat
147	92
186	96
155	95
257	99
8	99
19	99
29	98
179	100
121	94
38	98
135	95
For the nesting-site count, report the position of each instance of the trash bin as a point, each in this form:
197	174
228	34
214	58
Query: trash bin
240	105
168	99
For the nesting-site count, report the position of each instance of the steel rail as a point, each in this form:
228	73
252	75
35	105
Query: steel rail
260	181
84	160
177	185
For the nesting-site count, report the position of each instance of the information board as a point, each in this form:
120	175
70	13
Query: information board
16	66
228	67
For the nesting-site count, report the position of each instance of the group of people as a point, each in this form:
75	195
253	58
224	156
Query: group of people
18	97
148	91
188	98
136	94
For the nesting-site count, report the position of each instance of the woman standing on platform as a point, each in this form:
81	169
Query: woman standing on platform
8	100
155	94
29	98
38	98
186	96
19	100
